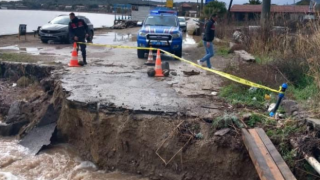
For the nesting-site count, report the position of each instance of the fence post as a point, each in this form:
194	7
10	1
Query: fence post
283	88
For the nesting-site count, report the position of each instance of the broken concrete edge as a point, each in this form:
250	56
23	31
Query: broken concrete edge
108	108
39	71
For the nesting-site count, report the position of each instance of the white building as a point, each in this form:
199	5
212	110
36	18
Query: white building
140	11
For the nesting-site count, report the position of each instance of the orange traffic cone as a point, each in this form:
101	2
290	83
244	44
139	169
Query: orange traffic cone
74	57
150	61
158	67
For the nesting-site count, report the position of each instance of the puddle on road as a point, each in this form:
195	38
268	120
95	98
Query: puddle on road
112	38
190	40
29	50
107	38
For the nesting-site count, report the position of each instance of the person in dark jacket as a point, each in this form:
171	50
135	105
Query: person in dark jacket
208	37
78	30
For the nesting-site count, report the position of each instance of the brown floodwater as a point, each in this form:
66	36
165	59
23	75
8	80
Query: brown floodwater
58	162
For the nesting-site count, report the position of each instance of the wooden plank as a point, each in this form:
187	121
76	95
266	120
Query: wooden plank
256	157
283	167
272	165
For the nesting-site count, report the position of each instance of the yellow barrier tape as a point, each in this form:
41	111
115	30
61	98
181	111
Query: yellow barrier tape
223	74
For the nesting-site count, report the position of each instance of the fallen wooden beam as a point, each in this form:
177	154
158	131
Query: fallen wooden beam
285	170
265	157
271	164
257	158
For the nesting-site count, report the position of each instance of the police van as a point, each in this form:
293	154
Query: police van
161	30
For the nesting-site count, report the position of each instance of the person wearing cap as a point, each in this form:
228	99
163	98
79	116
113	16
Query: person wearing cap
79	31
208	37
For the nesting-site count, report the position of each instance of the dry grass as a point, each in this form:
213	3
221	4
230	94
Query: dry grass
16	57
292	53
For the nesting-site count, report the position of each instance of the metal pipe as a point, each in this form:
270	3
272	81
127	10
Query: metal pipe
265	14
310	159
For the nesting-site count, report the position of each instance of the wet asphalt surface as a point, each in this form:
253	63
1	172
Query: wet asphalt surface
116	77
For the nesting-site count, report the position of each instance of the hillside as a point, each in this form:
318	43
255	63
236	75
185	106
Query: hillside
86	2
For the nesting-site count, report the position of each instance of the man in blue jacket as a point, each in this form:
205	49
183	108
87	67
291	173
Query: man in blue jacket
78	30
207	41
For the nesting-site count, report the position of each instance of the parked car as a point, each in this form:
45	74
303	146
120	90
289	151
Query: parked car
58	29
183	24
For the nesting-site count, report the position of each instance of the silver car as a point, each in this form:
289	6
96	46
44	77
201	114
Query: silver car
58	29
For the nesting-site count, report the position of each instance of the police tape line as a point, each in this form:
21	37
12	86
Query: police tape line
220	73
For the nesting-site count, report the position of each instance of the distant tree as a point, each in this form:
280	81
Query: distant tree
303	2
215	7
254	2
93	6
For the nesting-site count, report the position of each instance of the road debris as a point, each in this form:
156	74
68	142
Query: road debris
173	73
199	136
191	73
222	132
214	93
271	107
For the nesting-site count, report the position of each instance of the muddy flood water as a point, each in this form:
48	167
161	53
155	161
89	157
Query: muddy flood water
57	162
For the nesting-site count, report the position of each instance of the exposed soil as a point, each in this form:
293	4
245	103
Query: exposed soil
263	74
157	146
129	142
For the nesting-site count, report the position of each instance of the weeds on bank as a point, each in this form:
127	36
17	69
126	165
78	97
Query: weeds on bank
15	57
293	52
240	95
222	51
221	48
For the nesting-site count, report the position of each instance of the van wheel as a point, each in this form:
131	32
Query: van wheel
44	41
140	53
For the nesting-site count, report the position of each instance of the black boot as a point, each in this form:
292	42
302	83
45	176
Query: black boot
84	60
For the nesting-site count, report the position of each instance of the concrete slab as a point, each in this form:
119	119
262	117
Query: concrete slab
38	137
120	79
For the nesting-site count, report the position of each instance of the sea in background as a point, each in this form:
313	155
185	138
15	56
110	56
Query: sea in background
10	19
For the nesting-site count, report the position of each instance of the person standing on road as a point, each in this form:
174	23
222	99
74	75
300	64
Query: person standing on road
208	37
78	30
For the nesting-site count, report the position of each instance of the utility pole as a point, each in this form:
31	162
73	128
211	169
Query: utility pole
229	14
201	7
265	14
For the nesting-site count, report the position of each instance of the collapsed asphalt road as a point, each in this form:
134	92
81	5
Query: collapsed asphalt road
112	113
118	78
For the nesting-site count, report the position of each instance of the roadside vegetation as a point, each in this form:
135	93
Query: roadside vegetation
288	55
15	57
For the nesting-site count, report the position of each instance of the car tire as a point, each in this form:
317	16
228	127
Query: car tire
90	38
178	53
92	34
44	41
140	53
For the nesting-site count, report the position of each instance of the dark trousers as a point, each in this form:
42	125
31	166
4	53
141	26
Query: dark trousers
83	50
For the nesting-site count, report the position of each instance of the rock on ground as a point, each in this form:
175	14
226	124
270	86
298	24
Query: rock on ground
245	56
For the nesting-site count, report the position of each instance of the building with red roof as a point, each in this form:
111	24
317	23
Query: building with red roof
249	12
